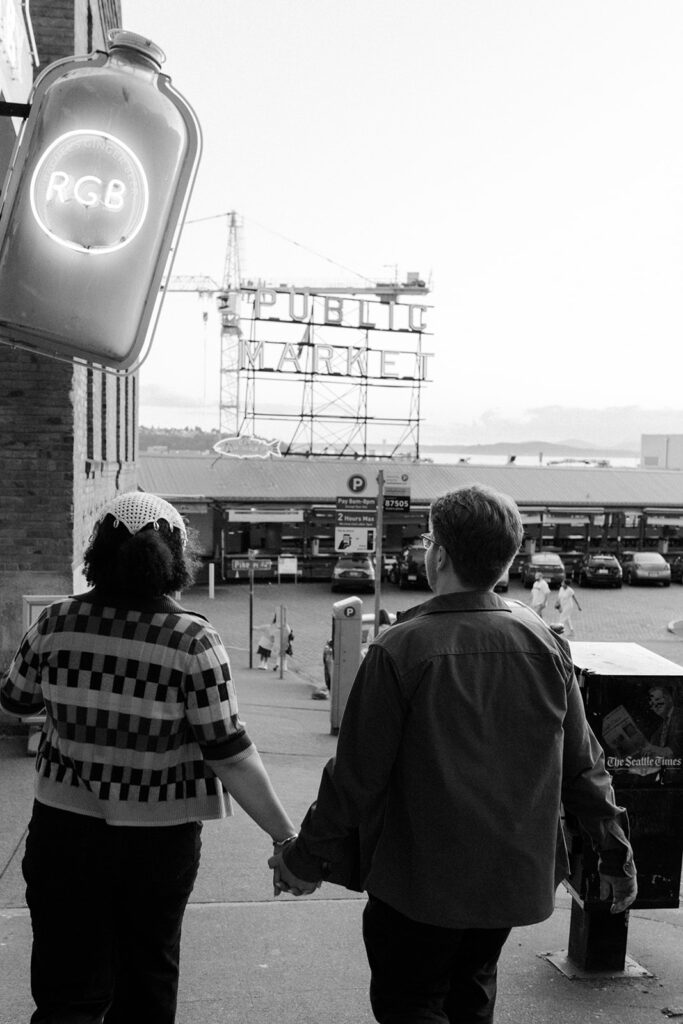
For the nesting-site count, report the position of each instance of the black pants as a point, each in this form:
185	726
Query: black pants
422	973
107	905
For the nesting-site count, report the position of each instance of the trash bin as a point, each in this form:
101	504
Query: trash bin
634	704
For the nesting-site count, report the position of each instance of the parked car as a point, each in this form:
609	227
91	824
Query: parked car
645	567
410	569
503	583
354	572
598	571
676	566
389	564
547	563
367	634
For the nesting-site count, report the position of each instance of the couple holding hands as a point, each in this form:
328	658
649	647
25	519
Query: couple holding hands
463	737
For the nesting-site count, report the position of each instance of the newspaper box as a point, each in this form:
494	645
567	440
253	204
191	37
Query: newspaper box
634	705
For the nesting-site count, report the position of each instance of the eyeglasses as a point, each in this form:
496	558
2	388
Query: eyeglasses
427	540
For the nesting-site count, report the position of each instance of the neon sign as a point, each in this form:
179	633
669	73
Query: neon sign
103	167
332	360
337	310
89	192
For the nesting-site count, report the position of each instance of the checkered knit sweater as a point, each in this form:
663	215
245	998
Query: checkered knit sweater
139	702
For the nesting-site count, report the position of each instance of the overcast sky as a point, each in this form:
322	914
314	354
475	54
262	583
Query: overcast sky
525	157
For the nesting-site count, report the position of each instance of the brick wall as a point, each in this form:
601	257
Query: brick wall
66	27
36	499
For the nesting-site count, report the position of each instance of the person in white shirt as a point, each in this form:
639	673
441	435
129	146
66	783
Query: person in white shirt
566	599
539	594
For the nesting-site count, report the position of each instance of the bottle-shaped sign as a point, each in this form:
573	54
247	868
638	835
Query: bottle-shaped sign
93	204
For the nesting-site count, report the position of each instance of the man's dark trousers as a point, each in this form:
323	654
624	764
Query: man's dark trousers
423	974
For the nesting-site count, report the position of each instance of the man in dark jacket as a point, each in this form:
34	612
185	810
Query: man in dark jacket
463	735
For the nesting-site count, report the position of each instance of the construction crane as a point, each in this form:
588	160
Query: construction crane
228	298
231	332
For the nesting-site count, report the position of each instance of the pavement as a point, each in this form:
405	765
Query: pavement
248	958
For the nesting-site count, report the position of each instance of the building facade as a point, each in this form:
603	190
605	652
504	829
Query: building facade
661	451
68	432
291	507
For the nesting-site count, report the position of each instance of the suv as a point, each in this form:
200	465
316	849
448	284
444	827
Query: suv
645	567
598	570
410	569
354	572
548	564
677	569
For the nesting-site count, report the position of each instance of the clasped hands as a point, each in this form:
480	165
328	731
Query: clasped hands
285	881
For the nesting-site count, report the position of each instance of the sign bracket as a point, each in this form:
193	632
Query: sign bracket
8	109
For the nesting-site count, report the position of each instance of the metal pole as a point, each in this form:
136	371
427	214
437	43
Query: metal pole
212	580
251	615
378	549
283	623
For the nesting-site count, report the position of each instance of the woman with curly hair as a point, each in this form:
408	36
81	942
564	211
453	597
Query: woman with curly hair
142	742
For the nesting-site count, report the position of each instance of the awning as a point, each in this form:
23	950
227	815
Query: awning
265	515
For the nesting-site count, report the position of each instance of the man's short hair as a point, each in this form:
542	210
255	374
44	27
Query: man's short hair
481	530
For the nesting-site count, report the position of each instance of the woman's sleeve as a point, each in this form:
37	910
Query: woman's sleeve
20	691
211	702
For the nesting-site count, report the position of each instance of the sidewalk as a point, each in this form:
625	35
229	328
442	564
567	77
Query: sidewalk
252	959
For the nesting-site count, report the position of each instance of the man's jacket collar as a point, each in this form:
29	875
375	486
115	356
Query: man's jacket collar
465	601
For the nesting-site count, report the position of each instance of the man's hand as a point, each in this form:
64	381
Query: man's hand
285	881
622	888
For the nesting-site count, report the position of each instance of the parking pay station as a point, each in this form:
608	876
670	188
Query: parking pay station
634	704
347	624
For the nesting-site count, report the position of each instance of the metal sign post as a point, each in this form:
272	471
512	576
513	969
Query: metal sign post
251	564
378	549
251	611
283	638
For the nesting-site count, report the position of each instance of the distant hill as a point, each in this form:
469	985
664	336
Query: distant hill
573	448
197	440
180	439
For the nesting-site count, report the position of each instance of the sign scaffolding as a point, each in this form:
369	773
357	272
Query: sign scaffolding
331	373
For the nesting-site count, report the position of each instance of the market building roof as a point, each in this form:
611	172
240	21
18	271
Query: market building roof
319	481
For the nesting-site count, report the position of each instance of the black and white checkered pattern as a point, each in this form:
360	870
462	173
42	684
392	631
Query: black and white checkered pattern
137	702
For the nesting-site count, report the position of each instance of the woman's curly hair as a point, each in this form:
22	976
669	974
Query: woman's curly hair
148	564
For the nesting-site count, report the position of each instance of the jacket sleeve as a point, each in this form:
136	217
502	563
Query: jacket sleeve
342	826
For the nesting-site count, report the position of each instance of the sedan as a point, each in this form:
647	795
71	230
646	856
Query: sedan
548	564
645	567
354	572
598	571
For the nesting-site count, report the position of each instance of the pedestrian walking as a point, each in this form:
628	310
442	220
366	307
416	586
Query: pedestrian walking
142	742
463	736
566	599
266	643
540	592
